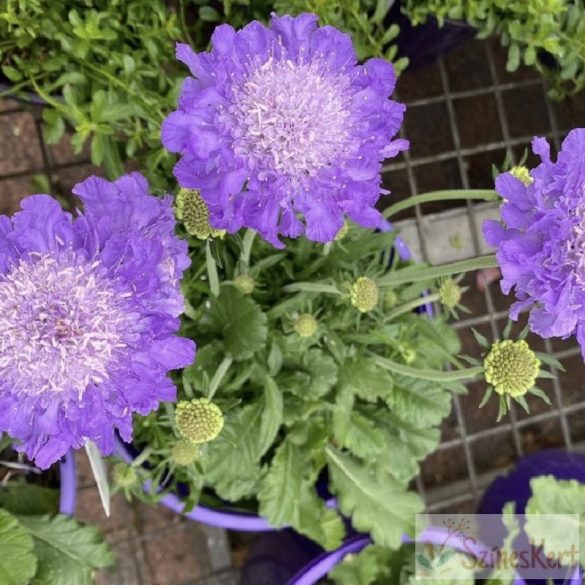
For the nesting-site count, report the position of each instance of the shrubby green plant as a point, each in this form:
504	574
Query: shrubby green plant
107	69
318	382
546	34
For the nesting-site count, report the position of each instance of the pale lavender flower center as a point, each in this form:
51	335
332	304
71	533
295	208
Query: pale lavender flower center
292	118
61	321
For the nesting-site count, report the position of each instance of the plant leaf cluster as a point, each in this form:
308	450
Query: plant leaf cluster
306	418
38	547
545	34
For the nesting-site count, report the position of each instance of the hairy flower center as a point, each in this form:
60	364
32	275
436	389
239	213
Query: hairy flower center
60	323
511	367
291	118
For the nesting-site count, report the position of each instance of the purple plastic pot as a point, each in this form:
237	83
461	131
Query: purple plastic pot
68	484
515	486
322	565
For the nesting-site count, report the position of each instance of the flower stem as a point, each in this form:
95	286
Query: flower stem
247	247
484	194
411	305
211	271
218	376
315	287
431	375
414	273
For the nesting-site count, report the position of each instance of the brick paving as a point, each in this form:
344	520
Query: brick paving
157	547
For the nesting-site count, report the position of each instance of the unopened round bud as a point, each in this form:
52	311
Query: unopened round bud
450	293
306	325
245	284
364	294
184	452
198	420
511	367
124	475
193	212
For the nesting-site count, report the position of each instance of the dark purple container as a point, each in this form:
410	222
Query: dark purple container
68	484
515	486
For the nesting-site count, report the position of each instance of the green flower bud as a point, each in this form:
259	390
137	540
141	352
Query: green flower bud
124	475
198	420
184	452
306	325
511	367
245	284
342	231
522	174
390	298
450	293
409	355
364	294
193	212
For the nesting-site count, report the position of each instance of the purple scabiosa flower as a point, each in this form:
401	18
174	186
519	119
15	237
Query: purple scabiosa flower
89	309
541	242
281	124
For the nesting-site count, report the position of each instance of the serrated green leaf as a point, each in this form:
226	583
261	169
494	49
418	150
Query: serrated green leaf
287	498
232	464
310	375
376	502
239	321
68	552
419	402
357	433
362	377
280	490
18	562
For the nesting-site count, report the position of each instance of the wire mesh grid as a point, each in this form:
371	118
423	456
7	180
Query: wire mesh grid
464	113
474	448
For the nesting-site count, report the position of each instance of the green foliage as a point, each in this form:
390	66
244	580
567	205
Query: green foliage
546	34
376	565
300	409
18	563
68	553
555	496
38	547
106	68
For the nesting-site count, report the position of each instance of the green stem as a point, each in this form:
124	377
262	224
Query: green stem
411	305
314	287
431	375
247	247
219	375
484	194
211	271
412	274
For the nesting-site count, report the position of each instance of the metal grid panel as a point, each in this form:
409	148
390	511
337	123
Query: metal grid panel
464	490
